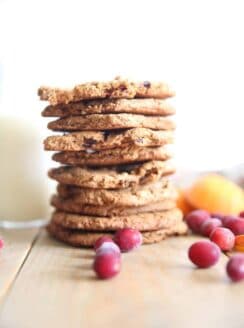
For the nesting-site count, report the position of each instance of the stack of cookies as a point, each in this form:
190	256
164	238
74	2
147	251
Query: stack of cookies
115	161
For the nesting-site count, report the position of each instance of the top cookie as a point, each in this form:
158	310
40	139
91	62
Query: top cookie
118	88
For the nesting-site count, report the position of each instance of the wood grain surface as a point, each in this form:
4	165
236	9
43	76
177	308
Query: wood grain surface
157	287
17	245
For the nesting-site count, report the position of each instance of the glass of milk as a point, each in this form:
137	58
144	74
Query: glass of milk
23	181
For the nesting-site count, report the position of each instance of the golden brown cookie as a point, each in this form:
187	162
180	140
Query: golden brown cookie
111	122
118	88
142	221
144	106
72	205
99	140
124	176
137	196
79	238
114	156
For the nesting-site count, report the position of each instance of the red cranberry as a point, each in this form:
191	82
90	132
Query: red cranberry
224	238
195	218
208	226
227	218
241	215
108	246
128	239
235	267
1	243
107	265
102	240
204	253
146	84
236	226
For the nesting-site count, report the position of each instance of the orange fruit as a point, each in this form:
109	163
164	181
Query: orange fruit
216	194
182	204
239	243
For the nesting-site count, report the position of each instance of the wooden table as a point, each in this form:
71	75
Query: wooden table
44	283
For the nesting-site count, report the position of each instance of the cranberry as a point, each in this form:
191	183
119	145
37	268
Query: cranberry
122	87
227	218
108	246
128	239
204	253
146	84
88	142
208	226
241	215
236	226
106	134
107	265
1	243
235	267
195	218
224	238
102	240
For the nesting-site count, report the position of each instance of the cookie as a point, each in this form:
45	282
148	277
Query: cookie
108	106
136	196
142	222
99	122
116	89
110	122
113	156
124	176
98	140
78	238
73	206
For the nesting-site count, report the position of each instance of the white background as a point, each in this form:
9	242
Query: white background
196	46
